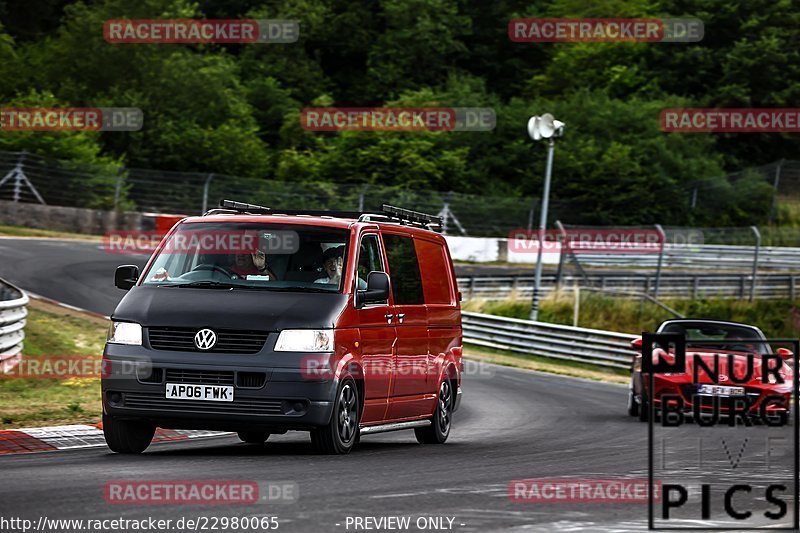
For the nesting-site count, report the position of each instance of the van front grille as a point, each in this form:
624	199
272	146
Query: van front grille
228	340
243	406
199	377
251	380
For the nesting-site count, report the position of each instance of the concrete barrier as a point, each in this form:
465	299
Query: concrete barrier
71	219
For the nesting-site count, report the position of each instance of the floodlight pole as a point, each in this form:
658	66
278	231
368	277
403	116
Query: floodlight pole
537	280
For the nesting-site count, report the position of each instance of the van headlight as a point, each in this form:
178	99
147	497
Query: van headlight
125	333
305	340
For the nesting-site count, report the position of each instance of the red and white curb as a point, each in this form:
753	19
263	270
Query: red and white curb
79	436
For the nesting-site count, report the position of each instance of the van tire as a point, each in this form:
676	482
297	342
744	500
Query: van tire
253	437
341	434
442	420
127	436
644	409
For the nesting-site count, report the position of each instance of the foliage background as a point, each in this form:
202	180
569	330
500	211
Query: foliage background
234	109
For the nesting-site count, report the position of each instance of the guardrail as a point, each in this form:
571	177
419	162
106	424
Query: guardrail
704	256
589	346
13	311
767	286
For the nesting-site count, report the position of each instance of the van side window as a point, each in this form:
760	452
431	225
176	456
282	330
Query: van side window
437	282
369	259
404	267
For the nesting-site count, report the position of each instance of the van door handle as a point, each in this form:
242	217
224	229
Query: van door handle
389	317
400	317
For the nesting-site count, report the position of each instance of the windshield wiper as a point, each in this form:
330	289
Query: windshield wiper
204	283
285	289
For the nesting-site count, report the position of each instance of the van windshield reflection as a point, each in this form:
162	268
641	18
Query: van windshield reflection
251	256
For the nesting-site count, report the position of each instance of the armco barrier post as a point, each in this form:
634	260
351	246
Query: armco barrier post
562	254
118	188
663	238
755	261
206	186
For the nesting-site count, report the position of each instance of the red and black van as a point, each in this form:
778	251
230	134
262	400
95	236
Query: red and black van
262	321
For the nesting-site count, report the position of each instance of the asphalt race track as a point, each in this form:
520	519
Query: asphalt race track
513	424
78	273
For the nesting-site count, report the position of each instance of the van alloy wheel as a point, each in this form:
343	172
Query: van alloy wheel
340	435
347	412
439	429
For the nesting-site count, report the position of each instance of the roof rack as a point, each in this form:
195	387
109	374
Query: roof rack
413	217
389	214
241	206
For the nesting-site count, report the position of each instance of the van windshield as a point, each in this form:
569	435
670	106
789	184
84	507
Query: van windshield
279	257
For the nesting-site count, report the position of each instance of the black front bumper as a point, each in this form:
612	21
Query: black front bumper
134	387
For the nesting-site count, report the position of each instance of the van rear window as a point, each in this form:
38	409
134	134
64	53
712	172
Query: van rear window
436	279
404	269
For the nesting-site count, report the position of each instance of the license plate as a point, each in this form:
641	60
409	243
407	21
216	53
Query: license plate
209	393
720	390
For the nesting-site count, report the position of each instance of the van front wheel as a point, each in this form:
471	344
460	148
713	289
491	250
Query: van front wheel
127	436
341	433
439	429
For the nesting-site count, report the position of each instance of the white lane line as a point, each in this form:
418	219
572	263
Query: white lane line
67	306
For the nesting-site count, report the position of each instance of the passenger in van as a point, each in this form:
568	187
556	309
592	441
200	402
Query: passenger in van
332	263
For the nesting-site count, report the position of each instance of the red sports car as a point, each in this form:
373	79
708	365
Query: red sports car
693	390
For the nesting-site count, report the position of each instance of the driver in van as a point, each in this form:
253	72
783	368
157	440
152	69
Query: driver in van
254	264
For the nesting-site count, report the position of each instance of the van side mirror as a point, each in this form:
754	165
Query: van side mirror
785	353
377	289
636	344
125	276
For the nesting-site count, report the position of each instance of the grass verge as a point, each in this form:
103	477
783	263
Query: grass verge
21	231
32	402
777	318
543	364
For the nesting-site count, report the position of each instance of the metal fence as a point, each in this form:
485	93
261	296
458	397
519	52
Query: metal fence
698	249
589	346
31	178
715	257
27	177
13	311
768	286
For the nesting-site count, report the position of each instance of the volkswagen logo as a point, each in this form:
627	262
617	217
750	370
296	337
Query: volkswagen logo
205	339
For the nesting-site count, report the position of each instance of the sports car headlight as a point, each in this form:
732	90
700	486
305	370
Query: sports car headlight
305	340
125	333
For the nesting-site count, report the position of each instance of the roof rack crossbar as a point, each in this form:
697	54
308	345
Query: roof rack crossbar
241	206
389	214
408	215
